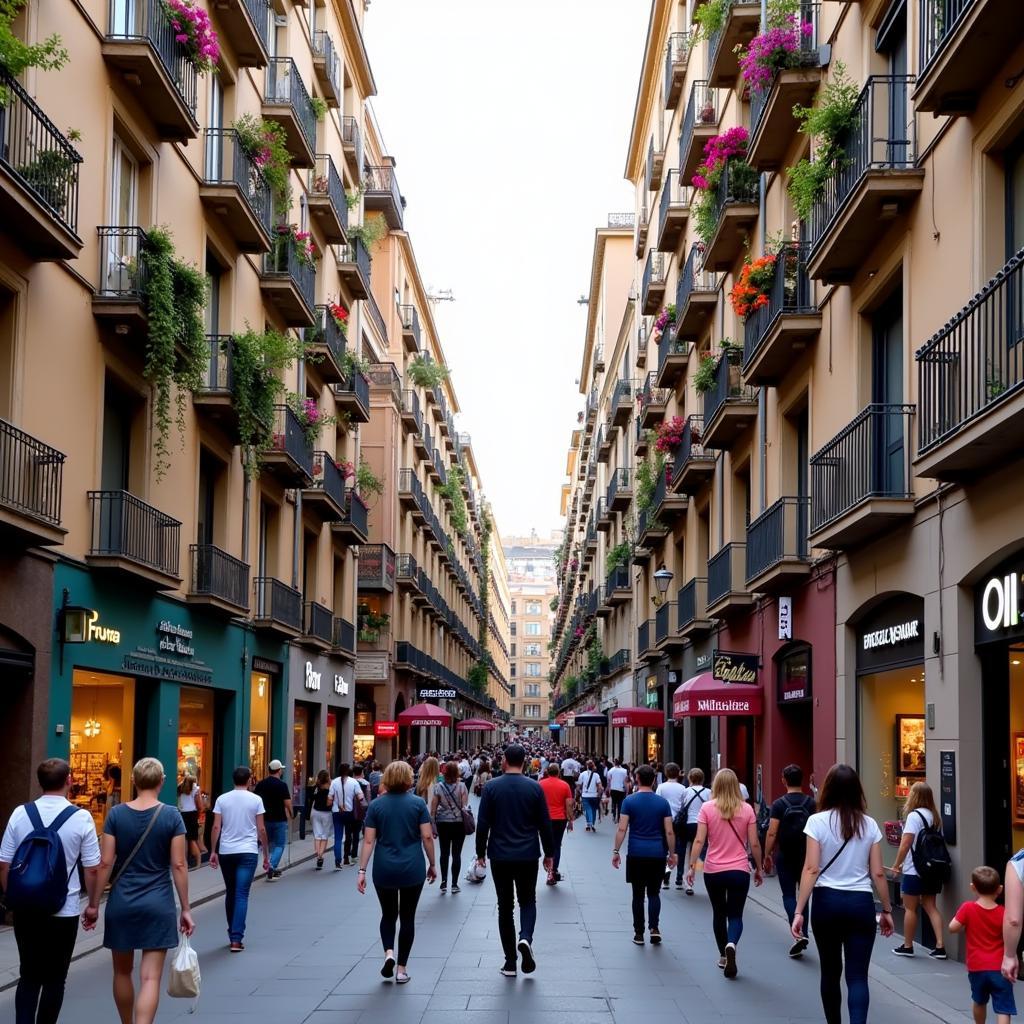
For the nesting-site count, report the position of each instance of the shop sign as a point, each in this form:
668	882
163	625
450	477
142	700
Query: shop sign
892	636
266	666
385	729
947	794
785	618
102	634
175	639
312	681
651	693
889	636
734	667
997	605
436	693
373	667
795	677
147	663
703	662
340	685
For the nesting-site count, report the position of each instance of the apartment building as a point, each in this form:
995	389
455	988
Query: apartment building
197	241
835	503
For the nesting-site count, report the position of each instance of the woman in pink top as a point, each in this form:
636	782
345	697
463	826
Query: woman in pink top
728	824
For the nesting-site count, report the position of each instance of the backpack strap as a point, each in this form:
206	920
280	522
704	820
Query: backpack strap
58	823
34	817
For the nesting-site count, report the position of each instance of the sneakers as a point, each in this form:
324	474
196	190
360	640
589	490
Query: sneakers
389	967
526	952
665	880
337	865
402	978
655	936
689	890
455	888
444	888
721	963
508	971
347	862
797	949
730	960
236	947
638	938
319	864
270	875
903	950
939	953
679	885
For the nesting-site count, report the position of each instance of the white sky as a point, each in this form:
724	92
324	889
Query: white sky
509	123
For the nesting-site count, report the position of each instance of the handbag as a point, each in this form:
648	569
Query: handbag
183	979
136	847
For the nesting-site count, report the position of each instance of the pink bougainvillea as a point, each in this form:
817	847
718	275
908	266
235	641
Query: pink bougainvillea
718	151
670	434
192	28
770	51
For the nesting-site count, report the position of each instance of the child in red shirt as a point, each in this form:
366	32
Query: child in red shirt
983	922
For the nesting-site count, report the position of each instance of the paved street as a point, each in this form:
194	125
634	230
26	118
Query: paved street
313	956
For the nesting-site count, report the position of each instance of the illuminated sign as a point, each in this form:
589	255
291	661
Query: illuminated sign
312	677
102	634
732	667
385	729
175	639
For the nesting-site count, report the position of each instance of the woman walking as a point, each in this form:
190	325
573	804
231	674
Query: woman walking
448	798
144	845
399	821
730	828
322	818
589	785
921	812
190	804
429	776
844	856
482	777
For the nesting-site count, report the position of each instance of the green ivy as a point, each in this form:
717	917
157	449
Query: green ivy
367	481
617	557
710	17
319	107
257	136
647	474
17	55
485	593
370	232
452	492
426	373
351	362
704	378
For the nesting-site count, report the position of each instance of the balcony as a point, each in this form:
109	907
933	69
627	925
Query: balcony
245	24
286	102
653	290
666	635
622	403
772	124
352	145
677	55
344	637
778	334
376	567
325	497
696	296
604	516
616	663
700	124
277	608
692	616
730	407
970	376
655	164
218	580
673	212
353	527
325	347
327	68
653	402
407	574
727	588
861	481
352	396
736	209
354	268
317	626
235	192
645	649
640	232
410	329
140	46
666	504
38	179
650	532
673	356
742	20
875	180
617	588
641	444
215	398
962	43
131	537
778	556
620	491
381	193
31	482
412	418
326	200
288	280
289	458
119	300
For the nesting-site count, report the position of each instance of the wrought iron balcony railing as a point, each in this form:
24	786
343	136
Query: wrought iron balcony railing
31	475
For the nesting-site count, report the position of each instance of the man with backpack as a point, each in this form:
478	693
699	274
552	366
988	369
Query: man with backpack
42	846
684	822
789	815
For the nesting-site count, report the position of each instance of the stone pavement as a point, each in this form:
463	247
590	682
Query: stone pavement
313	955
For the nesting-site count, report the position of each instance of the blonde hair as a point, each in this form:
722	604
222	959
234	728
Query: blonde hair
397	777
429	771
725	791
921	798
148	773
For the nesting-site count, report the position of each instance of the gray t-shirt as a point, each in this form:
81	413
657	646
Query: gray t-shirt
450	800
398	858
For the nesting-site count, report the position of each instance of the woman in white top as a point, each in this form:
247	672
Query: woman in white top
920	812
589	785
844	856
190	803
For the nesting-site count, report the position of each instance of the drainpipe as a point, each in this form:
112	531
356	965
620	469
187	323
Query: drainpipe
246	484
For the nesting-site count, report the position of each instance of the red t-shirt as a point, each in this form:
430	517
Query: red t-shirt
556	792
984	936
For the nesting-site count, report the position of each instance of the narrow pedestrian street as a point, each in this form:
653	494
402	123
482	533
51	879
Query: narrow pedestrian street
312	955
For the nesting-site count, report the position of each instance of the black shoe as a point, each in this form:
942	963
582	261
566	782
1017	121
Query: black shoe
730	960
455	889
509	970
939	953
903	950
319	863
444	887
638	938
389	967
679	885
337	865
797	949
347	862
655	936
666	880
526	952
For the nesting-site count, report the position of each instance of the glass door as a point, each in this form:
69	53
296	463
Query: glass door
888	441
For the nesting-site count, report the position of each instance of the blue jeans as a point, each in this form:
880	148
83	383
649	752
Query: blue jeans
727	891
788	883
238	870
590	809
277	836
844	931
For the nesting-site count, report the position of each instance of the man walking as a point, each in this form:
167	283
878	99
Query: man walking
571	769
46	940
560	807
277	804
616	777
513	814
674	792
345	794
239	827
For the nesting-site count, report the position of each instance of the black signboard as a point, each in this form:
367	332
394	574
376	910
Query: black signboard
947	794
734	667
892	635
265	665
794	676
436	693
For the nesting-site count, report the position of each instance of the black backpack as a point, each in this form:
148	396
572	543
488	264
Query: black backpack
792	841
680	821
931	857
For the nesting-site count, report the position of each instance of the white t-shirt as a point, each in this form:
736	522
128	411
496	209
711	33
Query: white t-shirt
850	870
570	766
911	827
694	798
344	792
673	792
77	836
617	777
238	811
187	801
589	782
744	793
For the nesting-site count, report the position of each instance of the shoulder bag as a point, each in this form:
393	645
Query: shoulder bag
468	821
137	846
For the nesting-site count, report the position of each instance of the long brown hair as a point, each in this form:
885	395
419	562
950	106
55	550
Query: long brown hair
843	793
922	798
429	771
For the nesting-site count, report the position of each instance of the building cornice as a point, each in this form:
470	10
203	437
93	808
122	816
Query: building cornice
647	87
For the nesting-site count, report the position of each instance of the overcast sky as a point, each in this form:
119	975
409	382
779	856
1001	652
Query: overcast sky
510	124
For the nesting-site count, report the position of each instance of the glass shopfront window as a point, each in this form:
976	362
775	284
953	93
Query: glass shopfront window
196	736
301	740
259	723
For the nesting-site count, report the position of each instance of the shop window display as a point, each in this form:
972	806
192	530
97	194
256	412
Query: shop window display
195	736
259	723
1016	741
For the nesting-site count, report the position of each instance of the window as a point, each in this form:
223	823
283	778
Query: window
512	710
512	629
532	690
513	607
512	652
533	669
531	711
533	629
531	650
512	689
533	607
512	669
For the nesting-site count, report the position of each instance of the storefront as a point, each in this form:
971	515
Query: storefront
366	736
645	727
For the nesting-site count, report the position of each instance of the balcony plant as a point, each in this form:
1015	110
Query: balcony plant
370	232
647	473
752	287
367	482
16	55
193	29
670	436
666	318
266	145
311	417
452	493
771	51
704	378
352	363
289	236
728	148
426	373
339	314
319	107
49	174
710	18
618	557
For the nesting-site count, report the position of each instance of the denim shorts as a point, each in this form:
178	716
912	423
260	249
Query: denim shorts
912	885
992	983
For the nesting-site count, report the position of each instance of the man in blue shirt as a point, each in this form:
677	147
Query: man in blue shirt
513	816
648	818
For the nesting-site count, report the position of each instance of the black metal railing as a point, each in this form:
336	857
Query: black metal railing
778	534
356	384
722	569
411	322
261	13
323	49
790	294
31	475
324	180
148	21
125	527
654	271
976	359
693	602
938	20
288	437
805	55
357	253
869	458
619	482
663	622
881	136
619	660
317	622
228	163
643	637
285	85
623	393
738	183
215	573
655	152
411	407
671	346
677	52
351	136
327	331
651	394
274	601
382	181
218	373
327	477
123	271
345	635
673	193
702	108
617	579
33	148
407	569
376	567
694	278
356	513
286	260
716	37
727	387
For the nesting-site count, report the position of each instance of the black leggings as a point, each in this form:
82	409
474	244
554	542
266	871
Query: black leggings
451	835
727	891
399	905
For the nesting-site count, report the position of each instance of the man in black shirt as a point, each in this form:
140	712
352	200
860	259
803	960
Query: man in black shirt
513	815
277	800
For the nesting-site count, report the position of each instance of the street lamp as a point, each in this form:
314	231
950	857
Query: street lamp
662	578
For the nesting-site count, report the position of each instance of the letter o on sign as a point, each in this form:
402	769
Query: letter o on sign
994	587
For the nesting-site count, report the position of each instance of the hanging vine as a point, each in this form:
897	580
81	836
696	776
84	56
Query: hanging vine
478	673
452	492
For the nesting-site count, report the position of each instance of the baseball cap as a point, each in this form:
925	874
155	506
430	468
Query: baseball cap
275	765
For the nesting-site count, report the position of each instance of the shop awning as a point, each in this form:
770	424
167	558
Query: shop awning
474	725
591	718
704	695
638	718
424	715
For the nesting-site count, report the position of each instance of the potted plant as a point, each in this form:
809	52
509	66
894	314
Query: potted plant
753	286
704	378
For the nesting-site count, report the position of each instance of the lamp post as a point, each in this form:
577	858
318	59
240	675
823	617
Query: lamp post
662	578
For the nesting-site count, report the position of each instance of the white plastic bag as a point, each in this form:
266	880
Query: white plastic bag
184	980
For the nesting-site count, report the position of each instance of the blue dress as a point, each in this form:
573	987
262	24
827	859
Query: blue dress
141	913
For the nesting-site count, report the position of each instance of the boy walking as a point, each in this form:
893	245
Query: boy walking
983	922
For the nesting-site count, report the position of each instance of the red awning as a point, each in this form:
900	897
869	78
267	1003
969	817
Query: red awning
638	718
474	725
425	715
704	695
